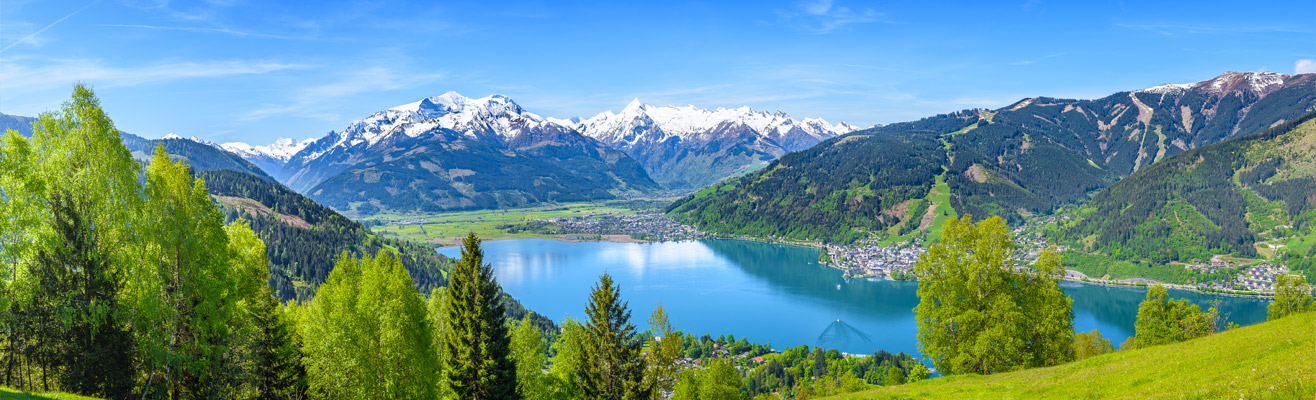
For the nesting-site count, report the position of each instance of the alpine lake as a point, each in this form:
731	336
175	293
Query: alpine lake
771	293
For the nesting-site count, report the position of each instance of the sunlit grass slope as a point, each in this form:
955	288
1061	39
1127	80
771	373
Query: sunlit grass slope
1272	360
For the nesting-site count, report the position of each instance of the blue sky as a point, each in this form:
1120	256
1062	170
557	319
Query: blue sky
248	70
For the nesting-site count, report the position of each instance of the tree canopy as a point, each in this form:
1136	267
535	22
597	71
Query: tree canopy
980	313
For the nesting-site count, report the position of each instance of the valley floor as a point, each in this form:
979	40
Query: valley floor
1272	360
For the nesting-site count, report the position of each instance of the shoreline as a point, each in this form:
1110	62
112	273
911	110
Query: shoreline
1069	277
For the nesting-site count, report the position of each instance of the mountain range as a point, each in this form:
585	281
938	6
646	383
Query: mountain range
1030	157
453	152
689	148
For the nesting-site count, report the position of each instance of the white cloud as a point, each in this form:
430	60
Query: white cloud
311	101
31	37
28	75
232	32
822	16
1305	66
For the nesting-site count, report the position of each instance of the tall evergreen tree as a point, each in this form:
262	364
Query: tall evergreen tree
614	367
77	303
478	360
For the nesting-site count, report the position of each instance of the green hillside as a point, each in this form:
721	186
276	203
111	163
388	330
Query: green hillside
303	239
1029	158
836	191
1219	199
1268	360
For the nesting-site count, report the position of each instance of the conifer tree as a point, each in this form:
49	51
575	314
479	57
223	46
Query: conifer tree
478	360
614	367
76	302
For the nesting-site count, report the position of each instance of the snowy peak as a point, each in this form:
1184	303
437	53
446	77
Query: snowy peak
494	117
282	149
1258	83
690	121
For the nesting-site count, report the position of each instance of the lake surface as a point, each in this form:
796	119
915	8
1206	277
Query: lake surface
769	293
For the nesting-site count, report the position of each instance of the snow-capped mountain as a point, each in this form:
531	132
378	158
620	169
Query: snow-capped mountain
690	147
454	152
1256	83
282	149
272	157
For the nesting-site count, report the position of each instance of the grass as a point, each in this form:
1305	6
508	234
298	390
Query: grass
450	227
15	394
1272	360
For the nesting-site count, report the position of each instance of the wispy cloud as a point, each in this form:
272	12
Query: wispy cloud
1305	66
822	16
224	31
1036	60
311	101
30	37
873	67
26	74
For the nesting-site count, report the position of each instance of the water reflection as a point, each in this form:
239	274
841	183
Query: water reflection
768	293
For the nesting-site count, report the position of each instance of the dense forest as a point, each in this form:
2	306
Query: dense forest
1217	199
836	191
1029	158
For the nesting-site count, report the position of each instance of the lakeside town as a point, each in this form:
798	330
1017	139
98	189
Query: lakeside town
874	259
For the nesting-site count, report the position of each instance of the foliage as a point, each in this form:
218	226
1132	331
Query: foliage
1292	296
836	191
664	352
1267	360
613	367
1191	206
303	239
528	350
1162	320
978	313
366	333
79	325
894	377
478	362
719	380
1090	344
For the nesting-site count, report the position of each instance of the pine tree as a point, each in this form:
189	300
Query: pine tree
614	368
277	369
81	330
478	359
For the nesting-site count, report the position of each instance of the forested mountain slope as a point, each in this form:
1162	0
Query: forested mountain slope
1030	157
303	239
1223	198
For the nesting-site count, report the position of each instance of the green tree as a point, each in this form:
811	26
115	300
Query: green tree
1091	344
664	352
720	381
979	313
614	368
894	376
437	312
366	334
185	295
687	385
479	363
1292	296
272	361
83	332
918	372
528	349
568	363
1162	320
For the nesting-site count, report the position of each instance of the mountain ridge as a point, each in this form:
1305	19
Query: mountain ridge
1026	158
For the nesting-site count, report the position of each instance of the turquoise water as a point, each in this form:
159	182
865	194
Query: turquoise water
768	293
